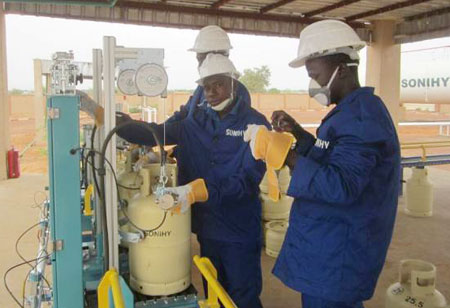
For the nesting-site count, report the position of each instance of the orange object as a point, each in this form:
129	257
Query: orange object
13	164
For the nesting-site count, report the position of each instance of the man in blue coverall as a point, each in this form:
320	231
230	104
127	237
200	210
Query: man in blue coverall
345	182
210	147
210	39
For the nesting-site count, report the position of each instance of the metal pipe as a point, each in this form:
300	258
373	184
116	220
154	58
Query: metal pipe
430	143
424	146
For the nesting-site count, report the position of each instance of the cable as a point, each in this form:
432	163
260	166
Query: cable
14	267
120	200
94	175
18	240
127	187
18	252
102	166
72	151
144	230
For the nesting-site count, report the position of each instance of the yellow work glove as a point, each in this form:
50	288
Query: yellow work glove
89	106
187	195
272	147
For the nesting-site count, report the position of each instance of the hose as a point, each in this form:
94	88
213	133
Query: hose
102	172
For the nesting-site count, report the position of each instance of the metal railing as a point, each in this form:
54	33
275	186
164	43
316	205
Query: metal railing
110	280
215	290
441	124
424	145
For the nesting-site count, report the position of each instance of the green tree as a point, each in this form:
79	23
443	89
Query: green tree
256	79
16	92
274	91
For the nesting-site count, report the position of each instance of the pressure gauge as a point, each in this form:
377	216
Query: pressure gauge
125	82
151	79
166	202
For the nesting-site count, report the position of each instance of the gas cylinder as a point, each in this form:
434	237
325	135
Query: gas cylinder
284	178
416	287
419	194
263	186
276	231
13	164
276	209
160	264
129	184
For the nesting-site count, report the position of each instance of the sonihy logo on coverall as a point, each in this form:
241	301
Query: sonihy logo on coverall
322	144
234	133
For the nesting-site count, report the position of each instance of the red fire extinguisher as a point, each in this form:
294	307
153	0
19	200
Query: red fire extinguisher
13	164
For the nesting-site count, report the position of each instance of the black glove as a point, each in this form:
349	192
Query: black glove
122	118
283	122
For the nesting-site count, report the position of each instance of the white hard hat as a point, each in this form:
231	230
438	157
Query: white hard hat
211	38
217	64
327	37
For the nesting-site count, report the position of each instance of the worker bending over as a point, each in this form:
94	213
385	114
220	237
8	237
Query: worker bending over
217	163
345	182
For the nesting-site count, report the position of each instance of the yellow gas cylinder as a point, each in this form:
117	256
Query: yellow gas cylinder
129	184
263	186
275	233
276	209
160	264
416	287
419	194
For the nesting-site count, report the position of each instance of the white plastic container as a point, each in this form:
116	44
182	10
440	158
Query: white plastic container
419	194
416	287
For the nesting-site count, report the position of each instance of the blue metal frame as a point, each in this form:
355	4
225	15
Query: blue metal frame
65	210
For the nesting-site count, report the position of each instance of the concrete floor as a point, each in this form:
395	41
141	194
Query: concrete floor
417	238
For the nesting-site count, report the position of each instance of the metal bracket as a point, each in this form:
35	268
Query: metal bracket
58	245
131	237
53	113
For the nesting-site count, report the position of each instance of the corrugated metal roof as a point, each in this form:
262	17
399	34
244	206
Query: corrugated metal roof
416	19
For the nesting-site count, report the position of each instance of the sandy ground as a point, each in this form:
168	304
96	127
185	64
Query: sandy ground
413	238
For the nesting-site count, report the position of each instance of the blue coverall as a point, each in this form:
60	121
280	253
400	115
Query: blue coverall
345	184
228	225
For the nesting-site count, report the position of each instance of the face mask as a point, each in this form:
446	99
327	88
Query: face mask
322	94
222	105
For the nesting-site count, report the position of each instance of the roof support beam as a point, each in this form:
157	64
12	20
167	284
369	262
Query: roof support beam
385	9
429	14
330	7
216	12
176	16
219	3
427	25
272	6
